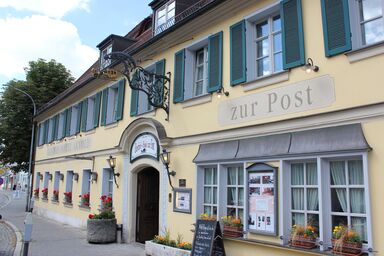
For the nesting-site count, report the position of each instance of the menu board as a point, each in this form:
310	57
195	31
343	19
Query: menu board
208	239
261	200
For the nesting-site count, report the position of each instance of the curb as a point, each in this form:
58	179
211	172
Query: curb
19	239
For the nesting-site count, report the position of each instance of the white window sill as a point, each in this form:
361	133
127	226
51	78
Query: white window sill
89	132
197	100
365	52
266	80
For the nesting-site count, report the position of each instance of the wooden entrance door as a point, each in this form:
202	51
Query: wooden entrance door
147	216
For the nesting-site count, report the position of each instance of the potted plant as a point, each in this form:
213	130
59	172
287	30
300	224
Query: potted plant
101	228
346	241
232	227
55	195
45	193
68	197
303	236
84	199
36	193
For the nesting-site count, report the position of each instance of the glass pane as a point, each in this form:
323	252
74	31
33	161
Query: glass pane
337	173
297	174
240	179
276	23
311	174
373	31
370	9
214	211
262	48
278	59
231	212
214	195
262	29
339	221
214	170
240	197
199	88
232	173
339	200
313	220
277	44
263	67
355	171
207	176
207	195
231	196
200	73
298	218
208	210
312	199
297	198
240	215
200	57
357	201
360	226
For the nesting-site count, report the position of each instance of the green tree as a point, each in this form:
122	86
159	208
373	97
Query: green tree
44	81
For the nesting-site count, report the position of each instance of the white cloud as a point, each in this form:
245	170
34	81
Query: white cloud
34	37
51	8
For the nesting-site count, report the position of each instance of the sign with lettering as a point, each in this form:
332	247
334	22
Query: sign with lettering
208	239
145	145
77	145
298	97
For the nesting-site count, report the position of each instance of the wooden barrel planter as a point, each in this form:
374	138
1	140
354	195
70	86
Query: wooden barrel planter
101	231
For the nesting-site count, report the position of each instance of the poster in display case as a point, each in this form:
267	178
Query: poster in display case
182	200
262	199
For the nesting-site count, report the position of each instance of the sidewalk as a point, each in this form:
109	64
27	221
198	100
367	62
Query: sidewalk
53	238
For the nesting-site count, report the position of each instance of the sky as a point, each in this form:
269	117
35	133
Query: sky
64	30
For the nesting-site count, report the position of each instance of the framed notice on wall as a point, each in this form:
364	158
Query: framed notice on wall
182	200
262	199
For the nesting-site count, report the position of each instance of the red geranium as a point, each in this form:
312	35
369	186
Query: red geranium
91	216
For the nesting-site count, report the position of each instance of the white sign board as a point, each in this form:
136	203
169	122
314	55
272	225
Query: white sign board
298	97
145	145
75	146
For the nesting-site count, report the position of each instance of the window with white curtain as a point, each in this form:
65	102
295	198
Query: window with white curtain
210	191
305	194
235	192
347	195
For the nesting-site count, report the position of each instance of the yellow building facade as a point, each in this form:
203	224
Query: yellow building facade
296	140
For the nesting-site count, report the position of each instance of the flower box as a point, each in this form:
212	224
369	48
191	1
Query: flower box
232	231
300	241
155	249
346	248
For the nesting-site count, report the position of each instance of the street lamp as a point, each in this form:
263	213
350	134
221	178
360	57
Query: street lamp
31	148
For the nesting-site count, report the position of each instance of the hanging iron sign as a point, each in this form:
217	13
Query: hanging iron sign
145	145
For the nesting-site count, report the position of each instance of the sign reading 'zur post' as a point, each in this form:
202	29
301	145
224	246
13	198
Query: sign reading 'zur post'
298	97
145	145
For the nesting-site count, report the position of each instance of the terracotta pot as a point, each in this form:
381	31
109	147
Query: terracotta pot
346	248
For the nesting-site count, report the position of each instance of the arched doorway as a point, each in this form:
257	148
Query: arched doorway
147	215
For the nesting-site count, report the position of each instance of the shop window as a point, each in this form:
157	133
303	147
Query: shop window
235	192
210	202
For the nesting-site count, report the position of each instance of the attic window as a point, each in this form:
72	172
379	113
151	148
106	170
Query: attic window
103	62
165	17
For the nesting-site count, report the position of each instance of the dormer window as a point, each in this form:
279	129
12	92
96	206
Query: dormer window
165	17
103	62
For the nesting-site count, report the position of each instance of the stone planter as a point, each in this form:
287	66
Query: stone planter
155	249
101	231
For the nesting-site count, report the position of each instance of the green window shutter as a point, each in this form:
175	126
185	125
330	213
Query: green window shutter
120	100
62	135
68	123
293	36
238	50
46	125
178	82
160	70
56	134
96	110
84	112
337	33
39	133
215	62
134	102
78	118
104	107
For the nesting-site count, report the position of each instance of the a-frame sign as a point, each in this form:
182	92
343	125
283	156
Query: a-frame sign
208	239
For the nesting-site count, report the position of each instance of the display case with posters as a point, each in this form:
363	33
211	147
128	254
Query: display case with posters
262	199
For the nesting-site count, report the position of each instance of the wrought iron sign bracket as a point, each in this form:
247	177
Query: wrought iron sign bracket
155	86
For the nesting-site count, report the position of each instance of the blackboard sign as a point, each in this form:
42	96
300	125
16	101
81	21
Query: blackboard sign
208	239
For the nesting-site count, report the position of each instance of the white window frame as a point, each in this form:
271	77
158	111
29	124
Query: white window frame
51	132
211	205
261	15
112	103
204	65
167	15
107	185
355	24
69	182
74	117
61	128
103	62
90	112
86	182
237	186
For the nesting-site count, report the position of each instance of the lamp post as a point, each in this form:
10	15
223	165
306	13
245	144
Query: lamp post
31	148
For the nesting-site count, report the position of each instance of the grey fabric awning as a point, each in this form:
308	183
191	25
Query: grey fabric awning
325	140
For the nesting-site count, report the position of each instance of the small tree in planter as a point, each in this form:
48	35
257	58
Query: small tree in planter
68	197
101	228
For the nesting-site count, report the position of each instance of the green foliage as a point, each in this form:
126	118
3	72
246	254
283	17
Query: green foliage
44	81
